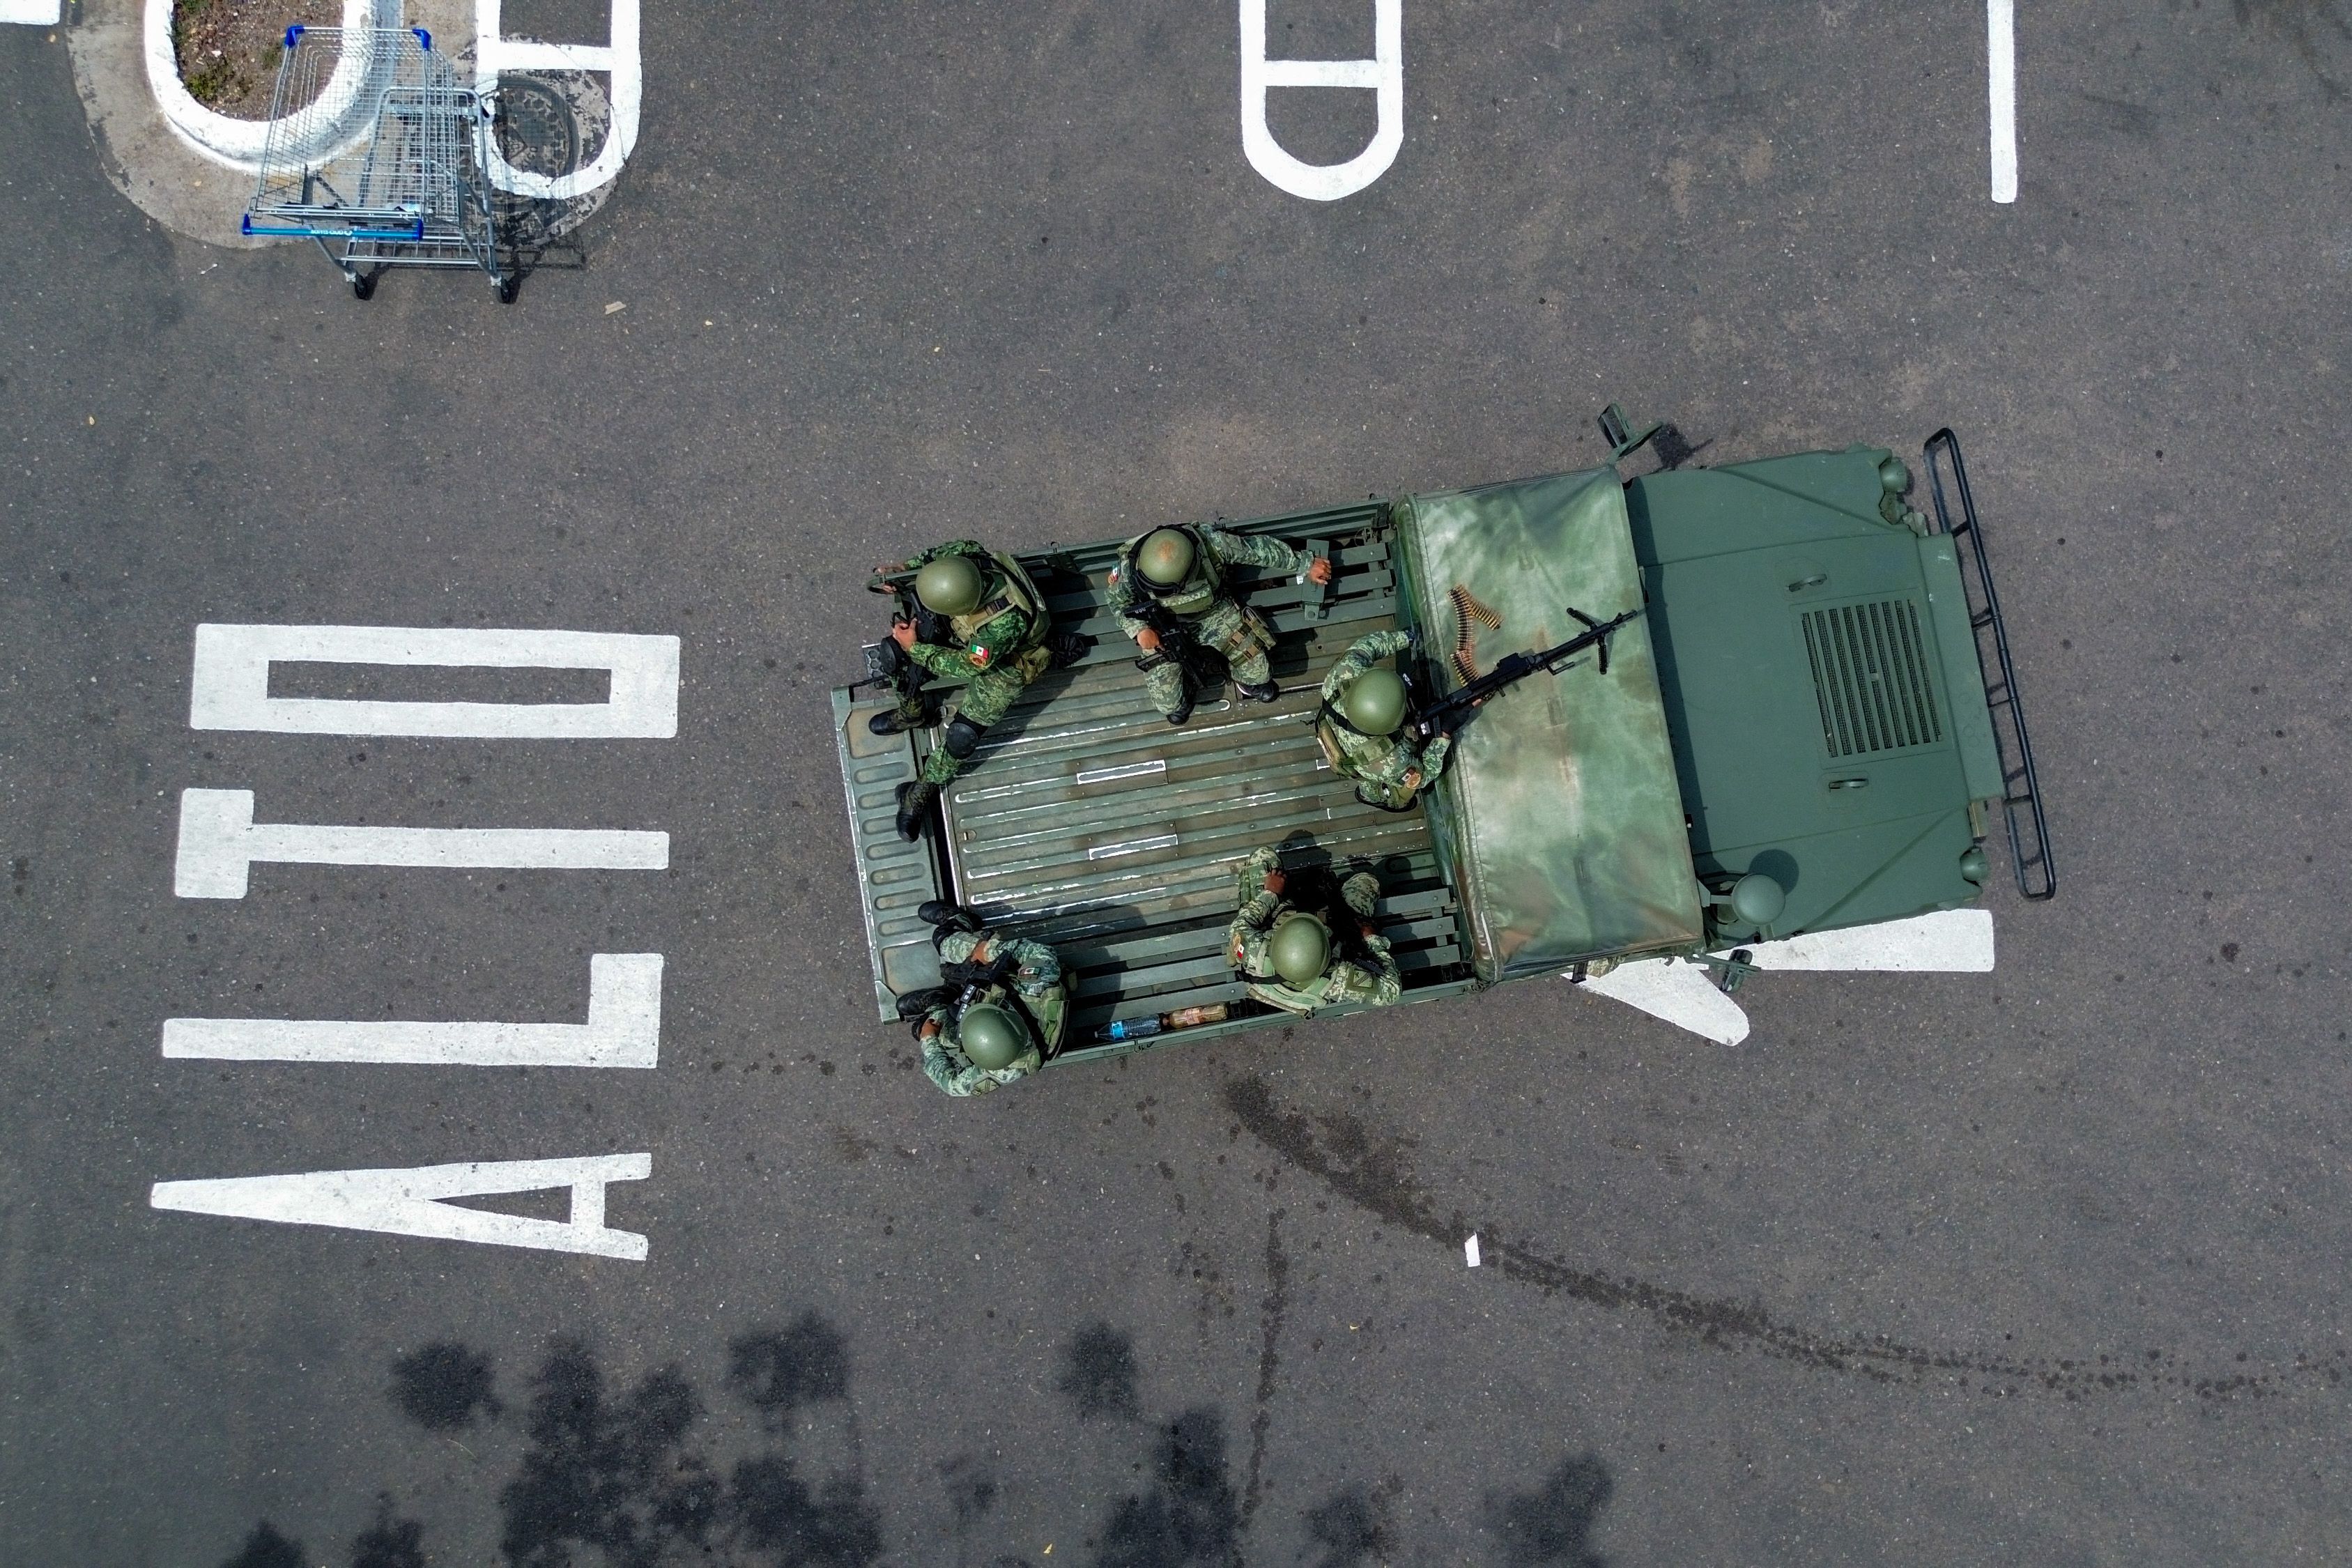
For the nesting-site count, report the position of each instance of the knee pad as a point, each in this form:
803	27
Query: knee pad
962	738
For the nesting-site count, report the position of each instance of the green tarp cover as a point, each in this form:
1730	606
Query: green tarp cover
1559	817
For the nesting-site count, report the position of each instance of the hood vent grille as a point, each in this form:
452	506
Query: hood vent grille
1870	677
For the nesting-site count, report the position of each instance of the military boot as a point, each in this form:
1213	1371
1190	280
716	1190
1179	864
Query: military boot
1183	707
915	803
952	916
914	1005
1264	691
890	722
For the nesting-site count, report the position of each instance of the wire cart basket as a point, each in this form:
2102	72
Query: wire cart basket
374	152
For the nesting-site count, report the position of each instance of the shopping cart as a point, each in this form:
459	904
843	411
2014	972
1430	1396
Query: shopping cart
374	152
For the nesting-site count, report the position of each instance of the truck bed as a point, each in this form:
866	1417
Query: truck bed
1084	820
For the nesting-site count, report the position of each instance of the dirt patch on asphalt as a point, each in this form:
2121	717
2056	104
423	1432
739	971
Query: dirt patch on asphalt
229	49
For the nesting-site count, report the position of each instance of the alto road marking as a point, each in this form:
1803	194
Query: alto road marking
1683	993
229	684
1948	941
409	1201
219	841
621	59
622	1030
32	13
1383	75
2001	58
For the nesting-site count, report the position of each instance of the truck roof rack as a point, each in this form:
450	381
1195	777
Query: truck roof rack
2028	830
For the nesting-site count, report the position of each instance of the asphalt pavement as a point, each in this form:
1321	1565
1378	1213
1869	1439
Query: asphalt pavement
2046	1266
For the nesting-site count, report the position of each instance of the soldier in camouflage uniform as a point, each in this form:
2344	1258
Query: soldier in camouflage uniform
1361	726
999	1013
1282	945
1168	589
987	623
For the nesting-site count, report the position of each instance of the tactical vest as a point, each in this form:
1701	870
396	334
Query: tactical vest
1194	596
1041	1019
1328	723
1014	591
1273	990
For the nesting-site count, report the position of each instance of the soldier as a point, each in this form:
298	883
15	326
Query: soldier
999	1011
1283	945
1168	589
1361	726
986	622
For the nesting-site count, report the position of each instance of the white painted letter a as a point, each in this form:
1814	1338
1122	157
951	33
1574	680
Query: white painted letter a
407	1202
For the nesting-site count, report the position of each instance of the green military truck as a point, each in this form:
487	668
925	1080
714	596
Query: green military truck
1811	725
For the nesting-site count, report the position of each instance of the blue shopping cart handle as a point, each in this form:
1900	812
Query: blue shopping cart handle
293	35
423	39
410	235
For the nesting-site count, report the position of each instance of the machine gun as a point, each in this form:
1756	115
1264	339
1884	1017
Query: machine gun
1446	714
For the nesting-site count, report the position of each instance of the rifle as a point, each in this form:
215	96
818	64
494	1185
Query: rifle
1447	713
1177	643
885	664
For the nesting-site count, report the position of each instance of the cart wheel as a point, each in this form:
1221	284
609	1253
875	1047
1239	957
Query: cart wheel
364	284
508	287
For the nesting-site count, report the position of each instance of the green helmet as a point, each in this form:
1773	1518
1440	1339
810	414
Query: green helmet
991	1037
1300	949
949	586
1374	703
1165	557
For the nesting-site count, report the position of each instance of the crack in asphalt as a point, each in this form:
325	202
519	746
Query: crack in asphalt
1374	1171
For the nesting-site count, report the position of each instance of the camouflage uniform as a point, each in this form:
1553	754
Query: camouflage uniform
1371	980
1036	987
997	650
1378	762
1216	621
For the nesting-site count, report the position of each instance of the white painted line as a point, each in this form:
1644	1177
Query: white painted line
1470	1251
622	1030
32	13
2000	54
408	1202
1132	847
1684	994
620	57
1123	771
1383	75
1949	941
229	686
219	841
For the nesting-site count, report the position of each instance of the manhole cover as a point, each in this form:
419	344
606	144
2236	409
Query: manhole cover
551	125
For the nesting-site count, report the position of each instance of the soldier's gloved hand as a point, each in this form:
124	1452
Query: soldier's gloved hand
902	632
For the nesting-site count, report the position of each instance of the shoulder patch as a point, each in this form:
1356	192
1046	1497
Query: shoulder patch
981	656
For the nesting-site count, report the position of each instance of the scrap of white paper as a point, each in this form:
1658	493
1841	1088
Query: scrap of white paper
1470	1252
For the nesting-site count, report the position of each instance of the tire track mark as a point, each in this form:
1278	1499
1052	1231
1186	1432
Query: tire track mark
1373	1171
